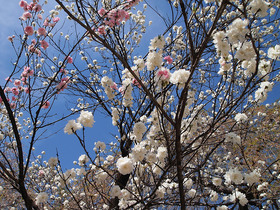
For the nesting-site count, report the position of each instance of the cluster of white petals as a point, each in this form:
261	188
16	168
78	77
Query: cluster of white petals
180	77
86	118
125	165
138	130
72	126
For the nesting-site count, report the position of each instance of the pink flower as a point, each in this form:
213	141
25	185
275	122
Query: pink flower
8	79
44	44
41	173
7	89
63	84
15	91
46	105
63	71
114	86
28	30
69	59
26	15
40	17
1	100
42	32
17	82
37	8
23	4
163	74
51	25
12	105
26	90
38	52
11	38
56	19
168	59
46	22
14	98
101	30
102	12
135	82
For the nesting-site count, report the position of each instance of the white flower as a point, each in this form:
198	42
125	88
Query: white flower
180	77
138	152
260	7
260	95
115	116
240	196
192	193
214	196
267	86
140	63
223	207
72	126
100	145
237	30
217	181
124	165
42	197
86	118
154	59
234	175
274	52
188	183
83	159
138	130
232	137
162	153
52	161
157	42
252	177
115	191
241	117
160	192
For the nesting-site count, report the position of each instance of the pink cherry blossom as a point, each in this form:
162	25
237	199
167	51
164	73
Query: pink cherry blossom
40	17
11	38
135	82
63	71
163	74
15	91
8	79
22	3
26	16
27	90
69	59
42	32
41	173
12	105
46	22
37	8
101	30
44	44
168	59
46	105
56	19
102	12
28	30
114	86
17	82
63	84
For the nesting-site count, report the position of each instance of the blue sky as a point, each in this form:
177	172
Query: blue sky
67	145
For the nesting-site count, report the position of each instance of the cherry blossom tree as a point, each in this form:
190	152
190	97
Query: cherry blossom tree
188	133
